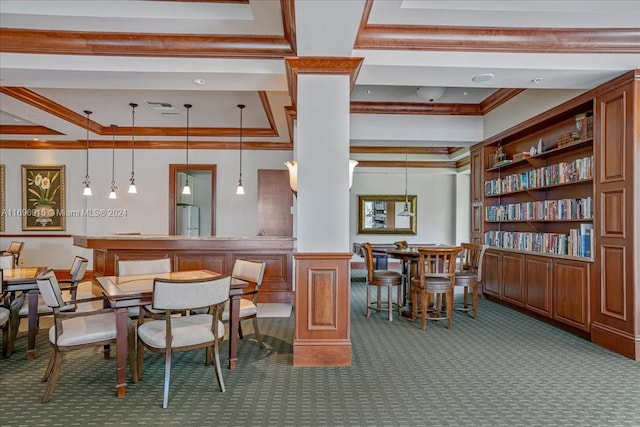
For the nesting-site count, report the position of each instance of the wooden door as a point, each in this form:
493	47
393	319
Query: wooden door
274	203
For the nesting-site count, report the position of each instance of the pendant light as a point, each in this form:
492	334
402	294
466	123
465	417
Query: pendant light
112	194
132	180
240	189
86	182
187	189
406	211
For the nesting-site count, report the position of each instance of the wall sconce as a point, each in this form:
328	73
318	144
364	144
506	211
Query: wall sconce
292	165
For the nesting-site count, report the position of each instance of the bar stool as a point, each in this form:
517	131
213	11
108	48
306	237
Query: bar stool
381	278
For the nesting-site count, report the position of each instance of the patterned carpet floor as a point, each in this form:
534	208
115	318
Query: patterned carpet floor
504	369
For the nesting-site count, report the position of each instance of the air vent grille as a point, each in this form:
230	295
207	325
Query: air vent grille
159	105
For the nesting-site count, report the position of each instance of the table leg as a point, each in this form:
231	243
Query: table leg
234	323
32	299
122	319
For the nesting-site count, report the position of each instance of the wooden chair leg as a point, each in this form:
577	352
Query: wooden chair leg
47	372
131	351
390	302
449	307
413	293
466	293
140	361
53	378
474	295
216	365
257	331
423	318
167	377
240	334
378	301
368	313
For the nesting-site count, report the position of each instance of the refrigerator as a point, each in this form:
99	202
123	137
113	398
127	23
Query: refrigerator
188	220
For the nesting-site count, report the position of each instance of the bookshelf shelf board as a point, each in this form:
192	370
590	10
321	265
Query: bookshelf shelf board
538	189
538	220
517	251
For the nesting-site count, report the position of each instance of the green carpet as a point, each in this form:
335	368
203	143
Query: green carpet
504	369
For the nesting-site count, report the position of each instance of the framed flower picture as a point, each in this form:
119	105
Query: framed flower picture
43	197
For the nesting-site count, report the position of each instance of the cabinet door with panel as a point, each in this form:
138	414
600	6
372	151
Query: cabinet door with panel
491	273
539	287
572	280
513	278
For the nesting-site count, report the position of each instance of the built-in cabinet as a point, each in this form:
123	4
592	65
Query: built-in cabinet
556	200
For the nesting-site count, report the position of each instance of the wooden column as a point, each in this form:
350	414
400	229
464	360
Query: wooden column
322	325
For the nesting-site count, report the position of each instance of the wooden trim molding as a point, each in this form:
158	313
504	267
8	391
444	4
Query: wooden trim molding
319	65
491	39
23	144
364	149
26	130
54	42
410	164
367	107
289	22
498	98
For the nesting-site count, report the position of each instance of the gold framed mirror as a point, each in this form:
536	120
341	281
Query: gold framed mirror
382	214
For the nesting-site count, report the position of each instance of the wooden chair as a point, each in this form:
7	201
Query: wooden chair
252	272
20	305
134	267
72	330
4	316
380	279
435	279
15	250
185	333
469	274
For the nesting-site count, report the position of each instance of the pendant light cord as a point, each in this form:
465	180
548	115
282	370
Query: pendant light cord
86	178
133	140
406	179
188	107
241	107
113	156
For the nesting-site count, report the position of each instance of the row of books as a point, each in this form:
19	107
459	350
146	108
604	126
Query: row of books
560	173
578	242
542	210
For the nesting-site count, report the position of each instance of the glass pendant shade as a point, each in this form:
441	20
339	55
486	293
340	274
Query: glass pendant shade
240	189
186	190
87	180
132	180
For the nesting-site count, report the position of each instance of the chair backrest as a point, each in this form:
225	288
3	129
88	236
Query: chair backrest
7	262
144	266
15	249
50	289
368	259
437	262
471	257
250	271
78	269
190	294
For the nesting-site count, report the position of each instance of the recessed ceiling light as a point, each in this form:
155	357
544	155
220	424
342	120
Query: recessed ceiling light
481	78
369	91
465	93
200	81
537	80
15	119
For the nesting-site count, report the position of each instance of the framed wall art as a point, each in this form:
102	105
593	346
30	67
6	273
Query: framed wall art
43	197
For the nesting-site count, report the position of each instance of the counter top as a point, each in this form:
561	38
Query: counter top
135	236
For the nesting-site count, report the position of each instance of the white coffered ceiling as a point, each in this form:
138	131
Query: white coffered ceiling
235	49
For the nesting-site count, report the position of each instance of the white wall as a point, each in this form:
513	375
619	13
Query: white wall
439	203
146	212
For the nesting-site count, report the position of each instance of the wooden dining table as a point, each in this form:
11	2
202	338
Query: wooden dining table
23	279
123	292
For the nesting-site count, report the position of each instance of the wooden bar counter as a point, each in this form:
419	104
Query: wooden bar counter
199	253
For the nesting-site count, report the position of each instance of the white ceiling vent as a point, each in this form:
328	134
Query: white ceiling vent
172	116
162	106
